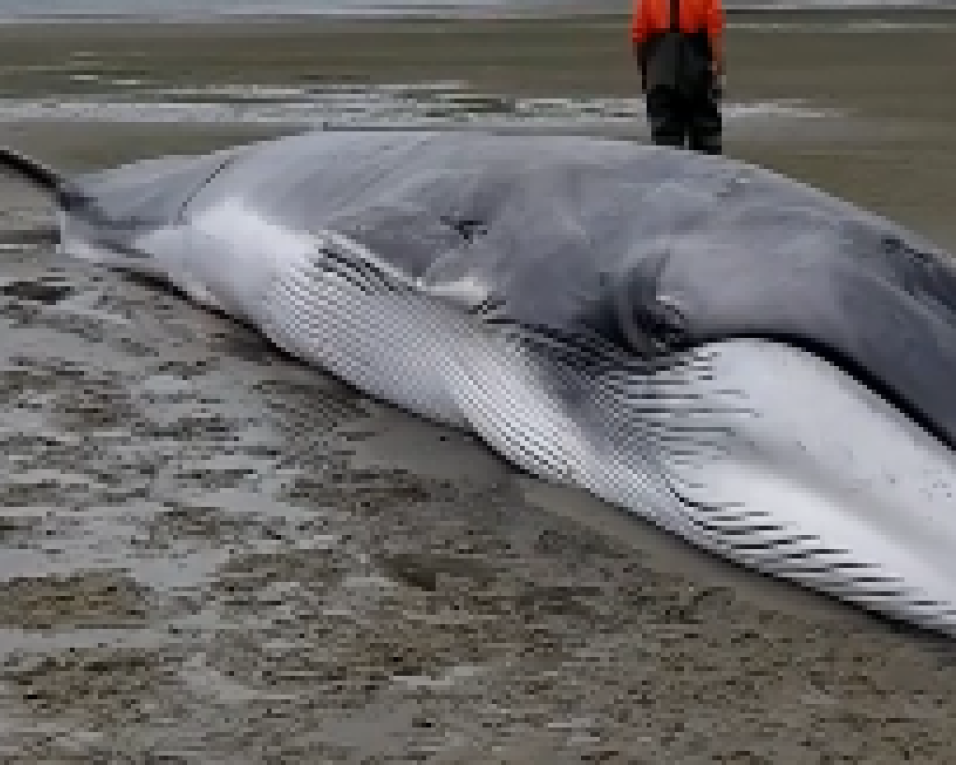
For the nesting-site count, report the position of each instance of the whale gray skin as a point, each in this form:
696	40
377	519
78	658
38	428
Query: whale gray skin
739	358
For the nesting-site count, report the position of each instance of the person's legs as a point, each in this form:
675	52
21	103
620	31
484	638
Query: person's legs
706	126
667	117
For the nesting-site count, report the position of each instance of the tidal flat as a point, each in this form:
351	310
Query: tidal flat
212	553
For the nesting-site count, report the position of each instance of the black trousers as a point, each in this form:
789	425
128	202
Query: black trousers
683	121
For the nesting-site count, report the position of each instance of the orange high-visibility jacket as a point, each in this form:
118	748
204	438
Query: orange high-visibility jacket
652	17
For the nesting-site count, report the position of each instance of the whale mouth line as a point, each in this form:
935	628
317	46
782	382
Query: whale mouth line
846	363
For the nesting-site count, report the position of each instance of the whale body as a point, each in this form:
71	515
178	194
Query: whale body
755	365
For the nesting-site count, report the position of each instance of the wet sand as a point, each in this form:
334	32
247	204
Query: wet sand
211	553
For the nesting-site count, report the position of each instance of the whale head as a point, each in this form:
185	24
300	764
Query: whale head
827	346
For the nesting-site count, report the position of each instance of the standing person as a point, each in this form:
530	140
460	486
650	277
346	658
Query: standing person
679	46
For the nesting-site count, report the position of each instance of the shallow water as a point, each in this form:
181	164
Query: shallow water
395	105
19	9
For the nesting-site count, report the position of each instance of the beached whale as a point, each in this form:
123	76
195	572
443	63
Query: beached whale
757	366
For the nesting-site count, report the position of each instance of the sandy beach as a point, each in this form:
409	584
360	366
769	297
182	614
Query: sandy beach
214	554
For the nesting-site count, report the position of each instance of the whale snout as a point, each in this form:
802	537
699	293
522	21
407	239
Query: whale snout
821	480
829	345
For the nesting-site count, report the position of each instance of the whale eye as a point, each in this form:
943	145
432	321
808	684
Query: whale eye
657	328
667	324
